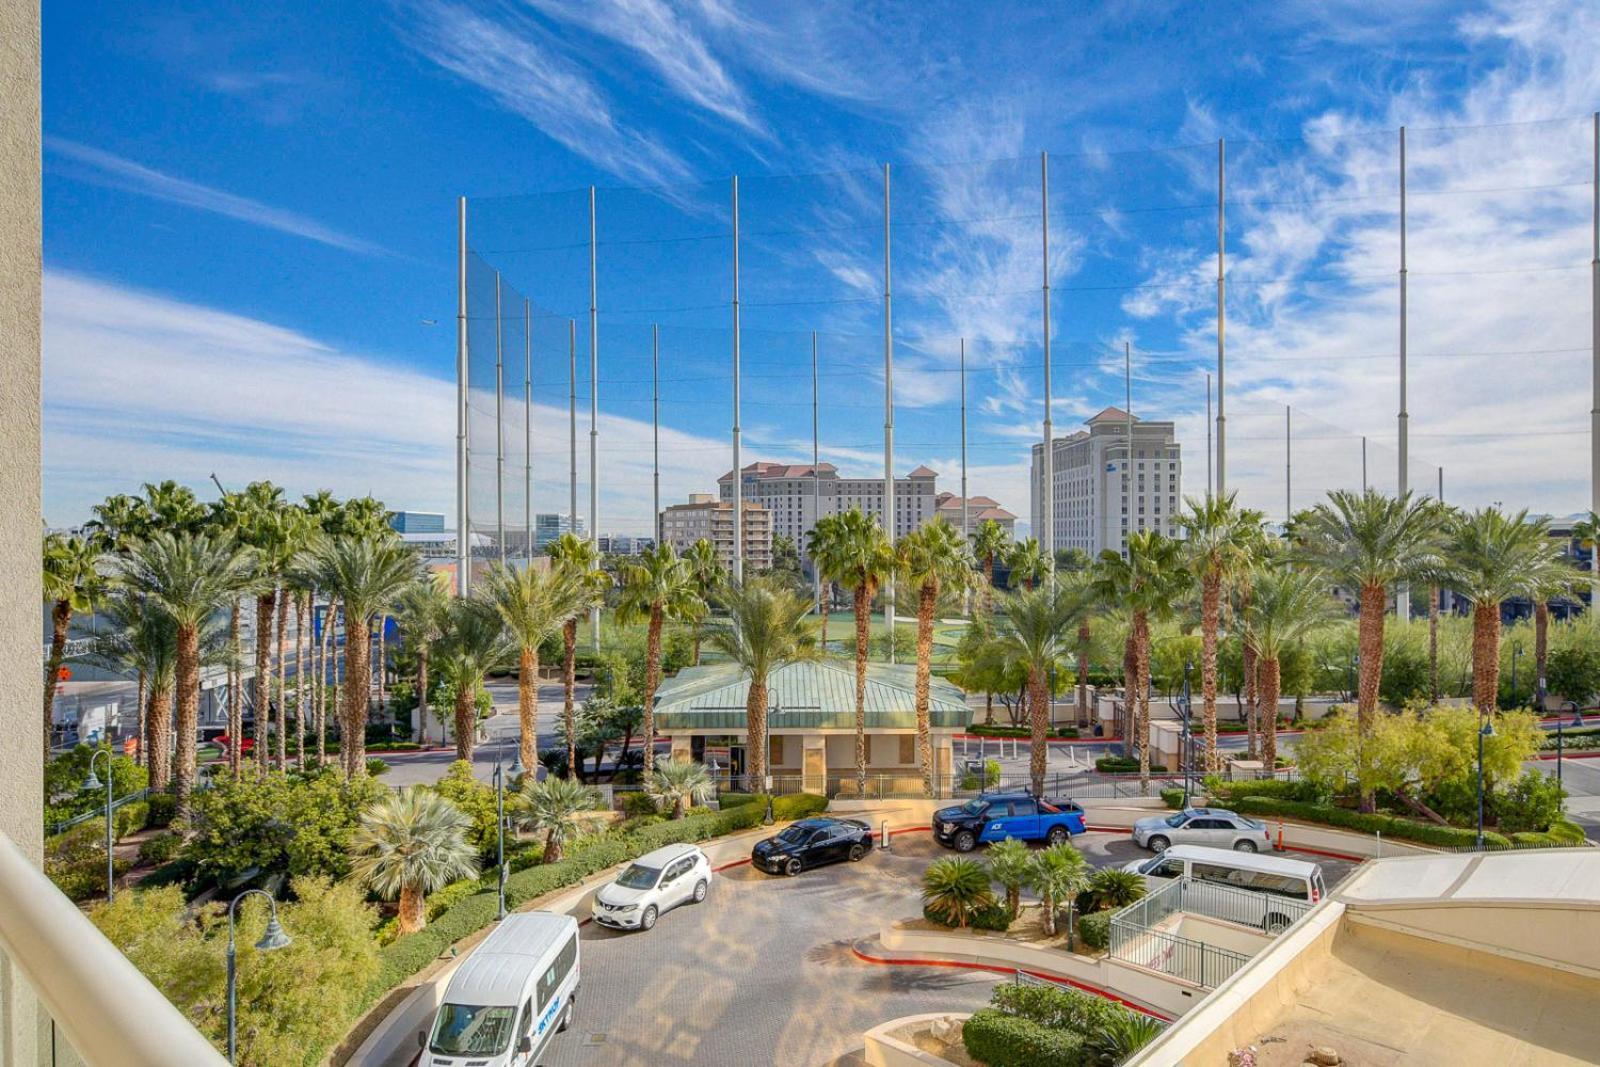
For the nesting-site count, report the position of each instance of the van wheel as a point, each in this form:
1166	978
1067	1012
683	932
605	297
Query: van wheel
857	851
647	921
965	841
792	868
1159	843
1057	835
1276	924
700	891
1244	846
566	1019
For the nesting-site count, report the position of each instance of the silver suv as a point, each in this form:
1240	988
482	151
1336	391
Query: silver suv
1201	826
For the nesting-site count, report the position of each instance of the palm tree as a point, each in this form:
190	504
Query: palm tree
408	844
1009	861
293	579
1113	887
553	806
1119	1035
1586	532
1029	564
581	558
1058	874
989	543
766	628
1030	636
421	610
932	558
1217	539
708	573
1286	606
955	889
1366	542
72	581
145	639
679	784
823	545
118	522
191	576
1491	558
534	604
1557	579
365	575
473	646
657	588
265	528
859	560
229	514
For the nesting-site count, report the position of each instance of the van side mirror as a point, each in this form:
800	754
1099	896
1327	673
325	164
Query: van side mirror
525	1046
422	1039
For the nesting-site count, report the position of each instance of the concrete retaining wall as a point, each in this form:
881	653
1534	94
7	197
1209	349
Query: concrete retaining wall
889	1044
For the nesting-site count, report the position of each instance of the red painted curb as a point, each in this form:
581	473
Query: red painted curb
1346	856
884	961
1581	754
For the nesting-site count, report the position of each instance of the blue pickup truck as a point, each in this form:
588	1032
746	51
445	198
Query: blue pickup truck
997	816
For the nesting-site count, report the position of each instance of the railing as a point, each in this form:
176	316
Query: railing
1134	938
94	813
98	1001
1183	958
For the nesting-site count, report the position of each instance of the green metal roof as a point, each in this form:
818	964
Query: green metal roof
817	695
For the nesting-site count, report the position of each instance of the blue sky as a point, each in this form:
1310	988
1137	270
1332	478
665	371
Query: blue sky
250	234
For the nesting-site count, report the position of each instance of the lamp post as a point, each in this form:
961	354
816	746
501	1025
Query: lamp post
1577	723
91	784
272	938
769	817
1486	730
1186	704
500	773
1516	654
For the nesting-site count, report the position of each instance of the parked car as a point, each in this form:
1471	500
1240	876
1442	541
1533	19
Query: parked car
1268	877
997	816
1211	827
812	843
654	883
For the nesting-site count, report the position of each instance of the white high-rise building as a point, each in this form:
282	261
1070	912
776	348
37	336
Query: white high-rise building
1098	497
792	491
547	526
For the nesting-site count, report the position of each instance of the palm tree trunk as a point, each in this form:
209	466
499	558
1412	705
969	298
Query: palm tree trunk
862	599
413	912
1084	716
1130	691
1271	684
927	601
1541	648
187	681
755	713
988	708
569	681
302	687
1210	622
140	755
988	585
827	595
1039	730
235	698
383	670
329	621
652	678
1433	643
60	619
1486	656
158	736
262	686
466	720
1247	657
1369	629
528	705
355	691
1142	675
285	606
422	691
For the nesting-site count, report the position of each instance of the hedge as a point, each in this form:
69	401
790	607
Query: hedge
986	730
1123	765
1388	825
996	917
1562	833
1002	1040
1173	798
1057	1007
1095	929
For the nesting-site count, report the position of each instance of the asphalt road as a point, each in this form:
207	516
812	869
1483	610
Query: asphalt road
418	768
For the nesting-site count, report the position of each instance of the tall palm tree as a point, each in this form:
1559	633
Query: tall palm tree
1029	635
933	558
421	610
265	528
822	547
72	581
581	558
230	515
1366	542
144	639
1058	874
326	515
1029	563
473	646
1586	532
1555	579
365	575
119	521
533	604
293	579
1490	558
765	628
191	576
657	588
708	574
174	508
678	784
553	806
1217	537
408	844
989	543
860	561
1286	605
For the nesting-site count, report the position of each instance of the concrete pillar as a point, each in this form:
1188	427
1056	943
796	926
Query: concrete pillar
814	762
21	664
680	748
944	757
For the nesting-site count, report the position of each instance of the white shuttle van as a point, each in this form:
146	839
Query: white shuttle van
510	997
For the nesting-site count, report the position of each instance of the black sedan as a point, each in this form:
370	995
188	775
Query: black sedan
812	843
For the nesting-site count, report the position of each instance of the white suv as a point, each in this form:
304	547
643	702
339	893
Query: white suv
653	883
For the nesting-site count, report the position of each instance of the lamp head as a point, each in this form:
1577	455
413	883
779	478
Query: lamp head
91	783
273	937
1487	729
516	770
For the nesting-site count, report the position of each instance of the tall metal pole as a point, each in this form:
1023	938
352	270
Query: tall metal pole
594	406
888	413
1127	383
572	426
527	431
738	473
966	519
463	454
1047	494
1594	374
1222	321
1363	463
655	423
499	423
816	459
1208	437
1402	593
1288	463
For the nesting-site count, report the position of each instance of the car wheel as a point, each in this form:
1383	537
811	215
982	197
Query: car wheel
965	841
857	851
1276	924
1159	843
566	1019
792	868
1244	845
700	891
1057	835
647	921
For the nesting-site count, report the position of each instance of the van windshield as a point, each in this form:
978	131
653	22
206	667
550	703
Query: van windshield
637	877
467	1029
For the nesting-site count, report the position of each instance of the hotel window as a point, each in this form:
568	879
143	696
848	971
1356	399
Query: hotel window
774	751
908	748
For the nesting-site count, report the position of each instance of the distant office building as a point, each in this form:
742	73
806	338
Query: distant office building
979	509
704	516
1099	495
417	522
547	527
625	544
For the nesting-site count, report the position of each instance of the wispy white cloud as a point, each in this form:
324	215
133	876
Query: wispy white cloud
99	167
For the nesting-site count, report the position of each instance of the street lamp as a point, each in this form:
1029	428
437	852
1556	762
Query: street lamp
1577	722
90	785
272	938
768	818
1487	730
1187	756
516	769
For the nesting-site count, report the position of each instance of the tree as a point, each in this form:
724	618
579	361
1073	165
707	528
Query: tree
858	557
786	561
191	576
579	557
1554	579
824	545
1113	887
1218	539
989	543
1586	532
366	574
1029	564
1030	637
533	604
708	574
955	889
553	806
229	514
265	526
766	628
421	610
933	558
1009	861
1490	558
72	581
678	784
472	646
1058	874
411	843
657	588
1366	542
1286	606
118	522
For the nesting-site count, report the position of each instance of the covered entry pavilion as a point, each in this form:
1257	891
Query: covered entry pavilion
811	722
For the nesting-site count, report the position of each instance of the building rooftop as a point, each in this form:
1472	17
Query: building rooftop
818	695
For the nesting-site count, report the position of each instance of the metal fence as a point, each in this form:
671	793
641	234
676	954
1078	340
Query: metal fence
95	813
1135	939
1183	958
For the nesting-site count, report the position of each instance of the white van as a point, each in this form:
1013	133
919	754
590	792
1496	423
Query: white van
510	997
1272	876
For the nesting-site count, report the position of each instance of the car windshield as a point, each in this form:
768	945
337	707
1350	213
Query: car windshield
637	877
794	835
975	807
467	1029
1177	820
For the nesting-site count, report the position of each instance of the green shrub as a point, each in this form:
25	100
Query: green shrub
1531	804
1095	930
1002	1040
130	819
997	730
160	848
1121	1037
76	860
376	766
1173	798
1057	1007
1123	765
990	777
638	803
1388	825
799	806
163	808
996	917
